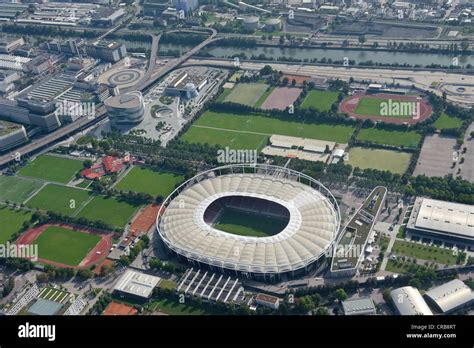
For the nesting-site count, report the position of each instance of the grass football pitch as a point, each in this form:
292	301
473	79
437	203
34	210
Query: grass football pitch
61	199
373	107
393	161
16	189
261	125
447	122
64	245
319	100
246	93
148	181
111	211
11	221
388	137
248	224
52	168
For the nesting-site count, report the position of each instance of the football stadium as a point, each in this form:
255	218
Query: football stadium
214	220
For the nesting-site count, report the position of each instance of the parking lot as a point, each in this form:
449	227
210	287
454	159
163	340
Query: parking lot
436	157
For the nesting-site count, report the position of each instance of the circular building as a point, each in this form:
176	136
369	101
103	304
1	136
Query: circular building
273	24
251	22
189	221
125	108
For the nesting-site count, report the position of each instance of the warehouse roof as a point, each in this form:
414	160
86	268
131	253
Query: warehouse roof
454	218
451	295
409	301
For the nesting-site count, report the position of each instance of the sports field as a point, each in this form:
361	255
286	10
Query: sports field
61	199
374	106
111	211
447	122
248	224
319	100
261	125
65	246
223	138
408	139
11	221
16	189
246	93
393	161
148	181
52	168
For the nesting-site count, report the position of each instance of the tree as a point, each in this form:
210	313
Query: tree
87	163
322	311
340	295
464	44
266	70
362	39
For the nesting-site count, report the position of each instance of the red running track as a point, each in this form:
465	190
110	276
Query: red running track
103	246
349	105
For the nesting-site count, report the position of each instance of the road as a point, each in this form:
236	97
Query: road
52	137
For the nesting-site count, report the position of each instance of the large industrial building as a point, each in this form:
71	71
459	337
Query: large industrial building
136	284
451	296
107	51
11	135
447	222
187	85
125	108
190	212
408	301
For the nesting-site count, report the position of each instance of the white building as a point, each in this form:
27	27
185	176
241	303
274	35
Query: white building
450	296
137	284
409	301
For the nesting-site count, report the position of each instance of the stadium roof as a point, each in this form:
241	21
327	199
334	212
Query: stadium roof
451	295
312	227
137	284
409	301
440	216
45	307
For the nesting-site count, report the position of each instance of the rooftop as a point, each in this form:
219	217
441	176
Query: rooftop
453	218
451	295
8	127
138	284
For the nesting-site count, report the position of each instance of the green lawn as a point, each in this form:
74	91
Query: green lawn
268	126
61	199
424	252
408	139
174	307
52	168
376	107
11	221
264	96
247	224
320	100
394	161
109	210
447	122
148	181
65	246
16	189
84	184
246	93
223	138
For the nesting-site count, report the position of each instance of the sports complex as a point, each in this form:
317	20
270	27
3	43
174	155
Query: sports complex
213	220
402	109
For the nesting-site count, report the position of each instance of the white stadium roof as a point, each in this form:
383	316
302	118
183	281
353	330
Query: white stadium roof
312	227
451	295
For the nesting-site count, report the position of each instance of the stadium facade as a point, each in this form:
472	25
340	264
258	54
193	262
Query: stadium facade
186	218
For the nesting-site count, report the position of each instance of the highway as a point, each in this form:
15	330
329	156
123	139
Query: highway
52	137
